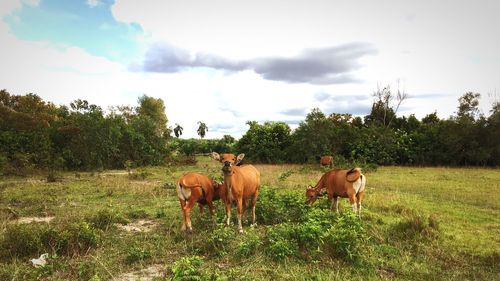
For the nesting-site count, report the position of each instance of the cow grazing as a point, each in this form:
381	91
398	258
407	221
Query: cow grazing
340	183
326	160
241	183
195	187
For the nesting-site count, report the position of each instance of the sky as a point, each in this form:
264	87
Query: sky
226	62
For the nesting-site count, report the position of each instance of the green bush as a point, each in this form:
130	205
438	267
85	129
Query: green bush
187	268
280	242
346	238
219	240
248	244
273	207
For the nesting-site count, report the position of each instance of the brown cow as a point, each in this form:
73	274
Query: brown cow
326	160
241	184
195	187
344	183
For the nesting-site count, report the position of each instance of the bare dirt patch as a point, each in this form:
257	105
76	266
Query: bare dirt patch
145	274
139	226
34	219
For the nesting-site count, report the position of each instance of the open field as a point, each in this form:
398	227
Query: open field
416	224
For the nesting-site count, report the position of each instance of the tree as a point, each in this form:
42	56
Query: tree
202	129
178	130
265	143
468	106
383	111
154	109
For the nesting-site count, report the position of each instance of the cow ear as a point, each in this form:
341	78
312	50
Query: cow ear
239	158
216	156
309	187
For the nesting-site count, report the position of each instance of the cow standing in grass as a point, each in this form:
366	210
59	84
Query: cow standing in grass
326	160
241	183
340	183
196	188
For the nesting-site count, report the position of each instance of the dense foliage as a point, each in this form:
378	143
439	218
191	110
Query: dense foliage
35	134
468	138
40	135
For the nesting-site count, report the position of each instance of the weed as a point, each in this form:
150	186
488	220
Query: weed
73	239
219	240
103	219
418	227
137	214
86	270
187	268
283	176
280	243
136	254
248	244
22	240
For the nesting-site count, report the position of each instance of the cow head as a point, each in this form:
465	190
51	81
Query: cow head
228	160
311	195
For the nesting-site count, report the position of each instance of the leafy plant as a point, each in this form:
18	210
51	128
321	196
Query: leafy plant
346	238
187	268
136	254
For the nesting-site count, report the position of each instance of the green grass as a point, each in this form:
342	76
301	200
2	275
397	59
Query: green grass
420	224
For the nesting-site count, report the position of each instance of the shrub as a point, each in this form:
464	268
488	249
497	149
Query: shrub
219	240
22	240
273	208
248	244
187	268
279	241
103	219
346	238
75	238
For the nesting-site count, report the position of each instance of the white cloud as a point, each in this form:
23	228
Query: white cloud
93	3
447	48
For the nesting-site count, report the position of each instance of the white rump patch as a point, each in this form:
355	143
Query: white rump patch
359	184
183	193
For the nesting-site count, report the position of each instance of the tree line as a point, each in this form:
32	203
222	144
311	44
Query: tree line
35	134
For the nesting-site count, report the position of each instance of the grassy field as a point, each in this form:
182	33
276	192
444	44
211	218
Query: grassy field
416	224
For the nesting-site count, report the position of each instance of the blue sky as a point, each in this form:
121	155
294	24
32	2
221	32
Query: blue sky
227	62
77	23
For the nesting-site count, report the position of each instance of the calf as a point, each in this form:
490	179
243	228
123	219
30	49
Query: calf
340	183
192	188
241	183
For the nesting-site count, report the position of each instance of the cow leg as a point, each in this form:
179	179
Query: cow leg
254	202
187	210
352	201
335	204
183	204
211	208
359	198
227	206
240	212
201	208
